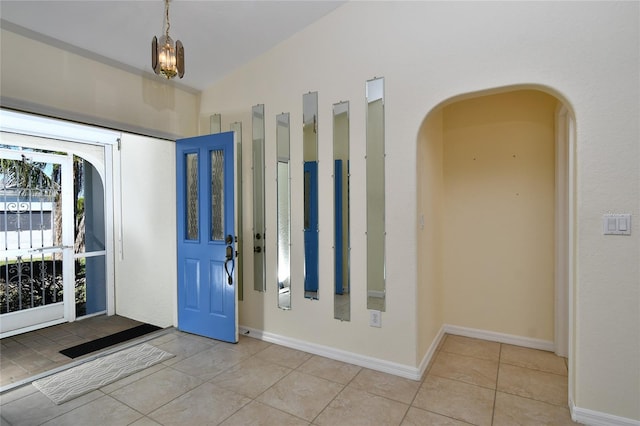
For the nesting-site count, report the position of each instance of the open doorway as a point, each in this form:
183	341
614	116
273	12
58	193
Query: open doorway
497	164
58	262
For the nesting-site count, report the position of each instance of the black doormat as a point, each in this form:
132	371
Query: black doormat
105	342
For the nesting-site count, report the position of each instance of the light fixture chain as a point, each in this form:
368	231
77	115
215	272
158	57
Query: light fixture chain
166	9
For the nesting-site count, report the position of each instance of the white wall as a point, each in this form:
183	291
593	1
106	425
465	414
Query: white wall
499	213
58	83
430	178
586	53
85	90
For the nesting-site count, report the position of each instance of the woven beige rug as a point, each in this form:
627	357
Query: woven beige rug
87	377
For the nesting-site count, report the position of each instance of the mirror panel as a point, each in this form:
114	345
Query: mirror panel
257	122
375	195
215	123
284	211
310	159
237	128
342	249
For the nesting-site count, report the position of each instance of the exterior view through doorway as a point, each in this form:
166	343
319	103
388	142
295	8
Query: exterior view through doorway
57	260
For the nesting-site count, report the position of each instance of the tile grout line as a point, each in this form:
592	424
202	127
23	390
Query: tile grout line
255	355
424	378
170	367
332	399
339	393
495	393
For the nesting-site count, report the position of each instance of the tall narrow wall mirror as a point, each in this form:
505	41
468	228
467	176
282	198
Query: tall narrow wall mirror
375	195
237	128
310	158
342	249
284	211
215	123
257	121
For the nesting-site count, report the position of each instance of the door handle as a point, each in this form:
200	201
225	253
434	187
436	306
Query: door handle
229	258
229	271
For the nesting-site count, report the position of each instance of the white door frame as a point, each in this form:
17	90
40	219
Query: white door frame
564	226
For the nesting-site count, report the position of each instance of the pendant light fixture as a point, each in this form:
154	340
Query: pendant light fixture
167	59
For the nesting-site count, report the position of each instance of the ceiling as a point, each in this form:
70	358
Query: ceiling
218	36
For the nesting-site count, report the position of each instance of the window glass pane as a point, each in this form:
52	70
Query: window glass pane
29	282
192	196
217	195
89	207
91	296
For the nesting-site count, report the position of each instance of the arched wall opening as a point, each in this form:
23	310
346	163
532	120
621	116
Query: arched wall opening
495	189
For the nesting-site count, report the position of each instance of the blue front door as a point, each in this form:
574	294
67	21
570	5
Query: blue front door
207	300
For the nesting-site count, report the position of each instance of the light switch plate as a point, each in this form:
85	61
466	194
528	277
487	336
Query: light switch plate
616	224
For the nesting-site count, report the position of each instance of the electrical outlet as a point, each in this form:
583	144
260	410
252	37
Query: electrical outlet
375	319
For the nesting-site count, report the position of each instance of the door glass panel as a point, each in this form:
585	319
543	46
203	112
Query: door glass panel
192	204
89	207
217	195
89	244
91	275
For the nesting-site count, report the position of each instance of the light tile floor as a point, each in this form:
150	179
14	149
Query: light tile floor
208	382
29	354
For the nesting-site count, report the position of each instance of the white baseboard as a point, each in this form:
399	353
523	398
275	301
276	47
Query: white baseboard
581	415
597	418
431	351
484	335
401	370
384	366
493	336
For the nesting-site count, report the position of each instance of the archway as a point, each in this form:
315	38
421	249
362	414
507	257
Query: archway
495	191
